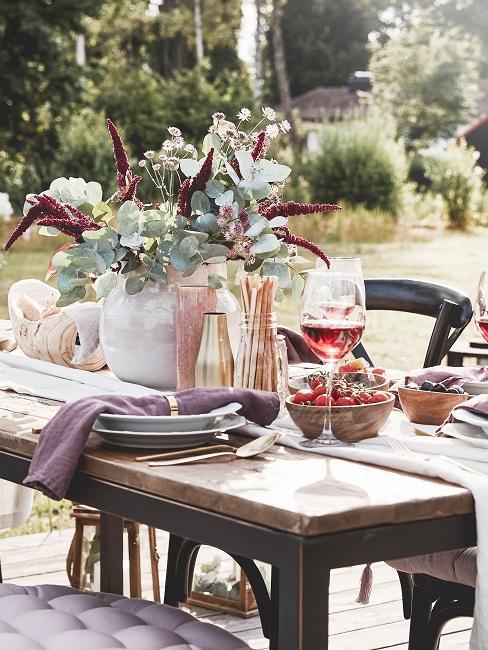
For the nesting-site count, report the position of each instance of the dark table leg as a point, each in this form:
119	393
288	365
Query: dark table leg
300	602
111	553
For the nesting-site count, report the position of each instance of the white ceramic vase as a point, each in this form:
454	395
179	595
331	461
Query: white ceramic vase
138	333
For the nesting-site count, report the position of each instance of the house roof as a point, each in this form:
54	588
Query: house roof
333	102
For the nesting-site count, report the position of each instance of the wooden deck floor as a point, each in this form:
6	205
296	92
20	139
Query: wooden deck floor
38	559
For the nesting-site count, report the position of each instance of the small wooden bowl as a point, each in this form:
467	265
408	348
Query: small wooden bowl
428	407
349	423
366	379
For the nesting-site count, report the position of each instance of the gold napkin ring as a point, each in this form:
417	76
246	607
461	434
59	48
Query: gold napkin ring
173	404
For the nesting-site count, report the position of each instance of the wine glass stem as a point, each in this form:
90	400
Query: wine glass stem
331	367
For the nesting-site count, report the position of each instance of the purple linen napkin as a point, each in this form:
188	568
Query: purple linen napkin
298	350
448	375
64	437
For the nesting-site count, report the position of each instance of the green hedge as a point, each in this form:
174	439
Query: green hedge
359	163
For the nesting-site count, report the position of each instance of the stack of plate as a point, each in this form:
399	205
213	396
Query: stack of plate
476	387
167	431
471	428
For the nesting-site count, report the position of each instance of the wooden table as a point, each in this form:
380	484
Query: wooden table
299	512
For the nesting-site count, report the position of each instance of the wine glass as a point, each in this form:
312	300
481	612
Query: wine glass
332	323
481	306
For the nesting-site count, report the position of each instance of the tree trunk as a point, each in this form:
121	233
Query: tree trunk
258	58
280	70
197	12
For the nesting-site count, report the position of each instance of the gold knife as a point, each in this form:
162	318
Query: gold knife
190	459
169	455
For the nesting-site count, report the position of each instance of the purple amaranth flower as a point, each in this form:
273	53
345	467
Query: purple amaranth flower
183	205
258	149
47	211
289	238
292	208
200	180
244	218
122	164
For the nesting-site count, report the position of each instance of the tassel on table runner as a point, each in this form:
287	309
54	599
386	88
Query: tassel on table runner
366	586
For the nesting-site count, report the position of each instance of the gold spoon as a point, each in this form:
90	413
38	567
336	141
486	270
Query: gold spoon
253	448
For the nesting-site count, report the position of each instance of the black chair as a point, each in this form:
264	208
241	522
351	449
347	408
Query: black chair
452	311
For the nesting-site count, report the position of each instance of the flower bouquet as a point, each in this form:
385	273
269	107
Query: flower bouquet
224	204
218	204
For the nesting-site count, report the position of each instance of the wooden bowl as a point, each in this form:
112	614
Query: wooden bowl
349	423
366	379
428	407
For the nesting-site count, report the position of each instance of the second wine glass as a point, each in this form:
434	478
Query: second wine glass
332	322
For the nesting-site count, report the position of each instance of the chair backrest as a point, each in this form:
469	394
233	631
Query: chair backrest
451	309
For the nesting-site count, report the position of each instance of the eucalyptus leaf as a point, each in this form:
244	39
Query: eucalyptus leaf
257	188
232	172
278	222
210	251
206	223
269	171
297	285
102	212
246	164
131	265
134	284
189	246
132	241
280	270
265	244
214	188
74	295
94	193
227	198
249	267
214	281
104	284
200	202
257	227
190	166
60	260
211	141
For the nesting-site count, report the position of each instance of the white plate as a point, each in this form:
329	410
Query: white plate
476	387
167	439
467	433
171	423
472	418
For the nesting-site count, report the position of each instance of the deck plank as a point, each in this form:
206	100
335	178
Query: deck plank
40	558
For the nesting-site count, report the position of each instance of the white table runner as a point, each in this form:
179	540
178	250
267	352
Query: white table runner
377	451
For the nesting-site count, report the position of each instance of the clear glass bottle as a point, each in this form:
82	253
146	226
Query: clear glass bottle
258	359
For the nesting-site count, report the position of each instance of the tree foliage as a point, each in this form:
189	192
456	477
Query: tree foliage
39	79
428	79
325	41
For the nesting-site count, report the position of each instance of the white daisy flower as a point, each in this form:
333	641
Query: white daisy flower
269	113
149	154
285	126
142	163
174	131
167	145
157	167
272	130
244	114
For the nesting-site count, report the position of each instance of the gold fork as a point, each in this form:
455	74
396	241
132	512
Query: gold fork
402	450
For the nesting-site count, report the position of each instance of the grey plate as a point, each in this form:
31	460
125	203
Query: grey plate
467	433
472	418
167	439
168	423
476	387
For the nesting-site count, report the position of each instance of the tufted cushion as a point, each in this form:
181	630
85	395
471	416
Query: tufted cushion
49	617
453	566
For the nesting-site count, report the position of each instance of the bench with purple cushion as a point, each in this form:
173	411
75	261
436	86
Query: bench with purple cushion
50	617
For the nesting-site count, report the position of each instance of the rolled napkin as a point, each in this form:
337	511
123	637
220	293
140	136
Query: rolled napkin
64	437
448	375
298	351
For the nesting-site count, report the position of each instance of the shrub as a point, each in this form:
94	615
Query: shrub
456	176
85	151
359	163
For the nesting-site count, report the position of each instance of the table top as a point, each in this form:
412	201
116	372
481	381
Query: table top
285	489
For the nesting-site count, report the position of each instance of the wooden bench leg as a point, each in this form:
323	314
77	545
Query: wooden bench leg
73	560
